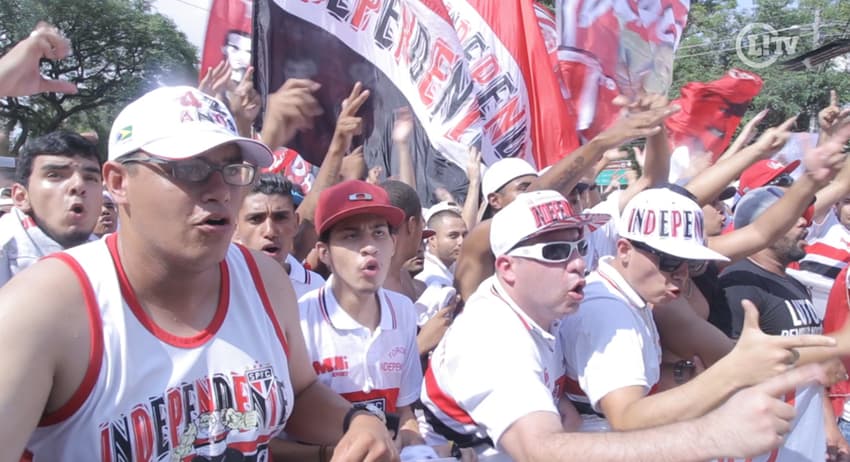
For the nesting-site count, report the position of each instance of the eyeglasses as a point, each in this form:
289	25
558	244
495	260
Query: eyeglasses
198	169
551	252
784	180
669	263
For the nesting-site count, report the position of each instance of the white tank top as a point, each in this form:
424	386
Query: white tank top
149	395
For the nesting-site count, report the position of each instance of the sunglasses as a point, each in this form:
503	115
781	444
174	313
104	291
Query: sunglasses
551	252
198	170
784	180
669	263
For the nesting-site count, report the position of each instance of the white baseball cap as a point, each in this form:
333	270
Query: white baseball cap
534	213
445	206
667	221
502	172
179	123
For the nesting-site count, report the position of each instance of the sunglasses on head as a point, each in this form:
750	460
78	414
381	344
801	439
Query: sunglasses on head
551	252
669	263
784	180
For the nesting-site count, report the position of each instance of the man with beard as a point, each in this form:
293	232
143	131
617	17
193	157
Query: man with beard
57	197
785	309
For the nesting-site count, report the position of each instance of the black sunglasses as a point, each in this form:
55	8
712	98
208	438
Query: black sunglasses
784	180
669	263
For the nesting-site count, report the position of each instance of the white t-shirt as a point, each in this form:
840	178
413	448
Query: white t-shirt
434	272
303	280
603	240
493	366
380	367
610	343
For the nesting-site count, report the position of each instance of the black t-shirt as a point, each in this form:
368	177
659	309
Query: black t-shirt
708	284
785	306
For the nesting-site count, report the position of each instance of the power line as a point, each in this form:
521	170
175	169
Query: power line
193	5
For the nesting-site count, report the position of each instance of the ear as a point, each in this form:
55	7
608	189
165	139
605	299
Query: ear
324	254
432	243
506	269
624	251
115	181
21	198
394	237
411	223
494	200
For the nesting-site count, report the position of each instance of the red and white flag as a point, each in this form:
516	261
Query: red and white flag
612	47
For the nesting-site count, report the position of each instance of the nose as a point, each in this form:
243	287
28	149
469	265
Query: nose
215	189
576	263
76	184
270	231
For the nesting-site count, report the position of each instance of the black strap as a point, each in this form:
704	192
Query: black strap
461	440
586	409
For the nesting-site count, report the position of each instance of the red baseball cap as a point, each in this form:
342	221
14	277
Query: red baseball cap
351	198
762	172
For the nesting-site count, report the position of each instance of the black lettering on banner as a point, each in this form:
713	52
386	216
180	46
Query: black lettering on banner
456	93
475	47
388	25
420	50
339	9
496	92
513	142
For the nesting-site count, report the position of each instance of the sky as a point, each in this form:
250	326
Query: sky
190	17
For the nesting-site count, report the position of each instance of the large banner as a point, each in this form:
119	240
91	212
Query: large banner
505	47
470	73
611	47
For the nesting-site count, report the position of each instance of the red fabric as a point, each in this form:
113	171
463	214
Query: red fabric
515	23
712	111
225	15
836	315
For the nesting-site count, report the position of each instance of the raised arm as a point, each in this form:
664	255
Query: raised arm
473	174
708	185
567	172
821	164
746	135
402	129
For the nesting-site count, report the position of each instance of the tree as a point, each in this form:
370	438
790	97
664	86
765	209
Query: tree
121	49
708	49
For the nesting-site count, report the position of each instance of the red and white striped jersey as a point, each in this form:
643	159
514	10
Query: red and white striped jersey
151	395
493	366
380	367
828	251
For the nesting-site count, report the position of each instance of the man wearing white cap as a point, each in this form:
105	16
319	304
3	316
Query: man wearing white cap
503	180
496	390
611	344
164	341
446	220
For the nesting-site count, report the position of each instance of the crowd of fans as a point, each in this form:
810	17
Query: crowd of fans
180	302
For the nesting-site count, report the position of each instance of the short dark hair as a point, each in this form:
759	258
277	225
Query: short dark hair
58	143
404	197
433	219
273	184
